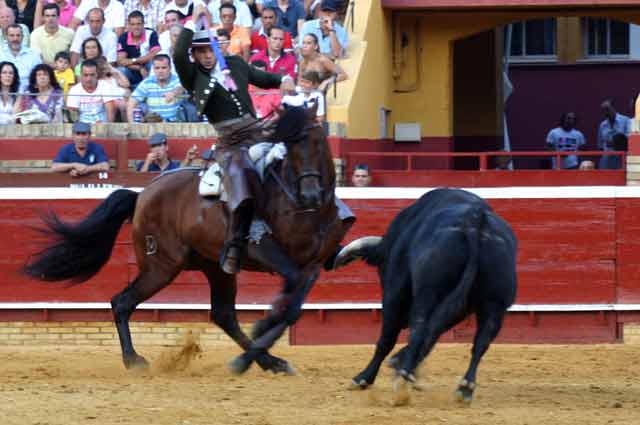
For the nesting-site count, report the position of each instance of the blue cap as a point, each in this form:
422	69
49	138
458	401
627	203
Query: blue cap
81	127
329	5
158	139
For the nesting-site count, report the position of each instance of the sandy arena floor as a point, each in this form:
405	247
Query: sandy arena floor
518	384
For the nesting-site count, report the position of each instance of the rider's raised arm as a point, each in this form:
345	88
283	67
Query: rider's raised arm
184	67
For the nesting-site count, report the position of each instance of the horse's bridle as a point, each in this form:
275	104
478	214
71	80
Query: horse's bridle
316	174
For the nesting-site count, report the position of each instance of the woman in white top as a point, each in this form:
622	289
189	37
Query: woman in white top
9	83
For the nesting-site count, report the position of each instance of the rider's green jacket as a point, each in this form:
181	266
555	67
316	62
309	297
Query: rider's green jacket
212	99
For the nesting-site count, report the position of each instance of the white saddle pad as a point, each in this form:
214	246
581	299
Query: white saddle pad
211	181
262	154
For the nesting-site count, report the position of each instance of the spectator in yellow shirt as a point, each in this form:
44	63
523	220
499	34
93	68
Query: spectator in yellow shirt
63	72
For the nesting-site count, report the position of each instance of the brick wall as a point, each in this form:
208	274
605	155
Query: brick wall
631	333
104	333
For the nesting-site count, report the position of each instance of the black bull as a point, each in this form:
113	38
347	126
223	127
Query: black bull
446	256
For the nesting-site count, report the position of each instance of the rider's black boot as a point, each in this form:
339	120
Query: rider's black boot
238	233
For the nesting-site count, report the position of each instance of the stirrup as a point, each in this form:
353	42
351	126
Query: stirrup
231	257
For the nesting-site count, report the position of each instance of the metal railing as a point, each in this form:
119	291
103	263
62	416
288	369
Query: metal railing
482	157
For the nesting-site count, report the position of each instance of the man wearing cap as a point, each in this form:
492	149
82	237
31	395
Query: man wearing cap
332	37
157	159
229	111
81	157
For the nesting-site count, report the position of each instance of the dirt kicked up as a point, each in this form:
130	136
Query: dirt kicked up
518	384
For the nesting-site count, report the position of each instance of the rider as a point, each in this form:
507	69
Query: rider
232	115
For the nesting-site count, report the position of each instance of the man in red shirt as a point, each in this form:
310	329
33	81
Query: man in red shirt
259	39
277	60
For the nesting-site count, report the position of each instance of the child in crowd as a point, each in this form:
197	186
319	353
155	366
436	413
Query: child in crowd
308	94
63	72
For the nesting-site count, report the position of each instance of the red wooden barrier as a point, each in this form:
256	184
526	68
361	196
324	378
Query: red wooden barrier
572	251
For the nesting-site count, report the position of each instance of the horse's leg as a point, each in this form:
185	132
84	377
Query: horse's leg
223	313
123	304
290	314
269	253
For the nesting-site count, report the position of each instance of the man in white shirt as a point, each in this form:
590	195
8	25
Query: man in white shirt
91	98
183	6
95	28
113	12
171	18
244	18
8	17
22	57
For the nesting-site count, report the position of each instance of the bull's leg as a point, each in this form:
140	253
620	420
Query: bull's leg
425	331
124	304
290	314
489	322
392	324
223	313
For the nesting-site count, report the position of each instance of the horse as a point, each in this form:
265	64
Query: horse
175	229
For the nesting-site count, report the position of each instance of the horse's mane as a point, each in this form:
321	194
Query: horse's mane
291	125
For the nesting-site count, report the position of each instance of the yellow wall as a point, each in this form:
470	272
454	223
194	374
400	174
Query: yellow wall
416	83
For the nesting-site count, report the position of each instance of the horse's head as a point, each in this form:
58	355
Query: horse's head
309	166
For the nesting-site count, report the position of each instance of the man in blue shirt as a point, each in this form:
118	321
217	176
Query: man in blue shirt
158	160
332	37
81	157
614	126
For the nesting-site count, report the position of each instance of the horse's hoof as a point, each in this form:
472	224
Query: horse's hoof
408	377
283	367
464	392
239	365
358	384
135	362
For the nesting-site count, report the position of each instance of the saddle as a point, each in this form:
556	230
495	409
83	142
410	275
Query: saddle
261	154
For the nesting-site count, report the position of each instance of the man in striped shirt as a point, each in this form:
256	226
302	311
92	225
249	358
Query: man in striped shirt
160	91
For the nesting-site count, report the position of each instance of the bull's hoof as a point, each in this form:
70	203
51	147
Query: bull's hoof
464	392
240	364
358	384
135	362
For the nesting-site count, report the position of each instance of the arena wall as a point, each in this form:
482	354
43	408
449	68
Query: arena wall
578	272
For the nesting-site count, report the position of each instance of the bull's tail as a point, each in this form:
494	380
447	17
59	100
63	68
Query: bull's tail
456	301
80	250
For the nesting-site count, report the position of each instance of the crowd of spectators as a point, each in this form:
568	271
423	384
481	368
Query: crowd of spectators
109	60
613	133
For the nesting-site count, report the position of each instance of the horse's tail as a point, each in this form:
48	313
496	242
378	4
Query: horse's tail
80	250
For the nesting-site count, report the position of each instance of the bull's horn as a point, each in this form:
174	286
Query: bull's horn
355	250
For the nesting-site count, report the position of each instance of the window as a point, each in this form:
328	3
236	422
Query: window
606	38
534	39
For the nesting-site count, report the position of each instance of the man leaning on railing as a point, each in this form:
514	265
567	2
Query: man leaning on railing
81	157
